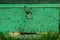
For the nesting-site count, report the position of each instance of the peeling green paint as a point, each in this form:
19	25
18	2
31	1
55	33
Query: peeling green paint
43	18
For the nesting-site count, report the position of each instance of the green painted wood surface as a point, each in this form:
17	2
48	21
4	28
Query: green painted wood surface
42	18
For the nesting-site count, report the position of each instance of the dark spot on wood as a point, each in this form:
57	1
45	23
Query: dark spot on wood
23	20
7	31
54	18
38	0
13	15
32	18
17	21
24	9
19	27
52	26
42	25
31	31
50	15
15	28
20	24
37	30
11	21
30	8
8	17
43	9
24	6
24	25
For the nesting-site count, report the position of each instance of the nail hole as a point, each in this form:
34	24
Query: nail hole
27	12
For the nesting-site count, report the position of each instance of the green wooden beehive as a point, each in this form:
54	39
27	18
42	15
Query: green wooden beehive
30	17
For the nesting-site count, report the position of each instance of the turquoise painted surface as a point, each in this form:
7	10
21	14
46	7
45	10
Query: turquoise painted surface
38	18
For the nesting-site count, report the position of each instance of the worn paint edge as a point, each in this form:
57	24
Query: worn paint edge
29	5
